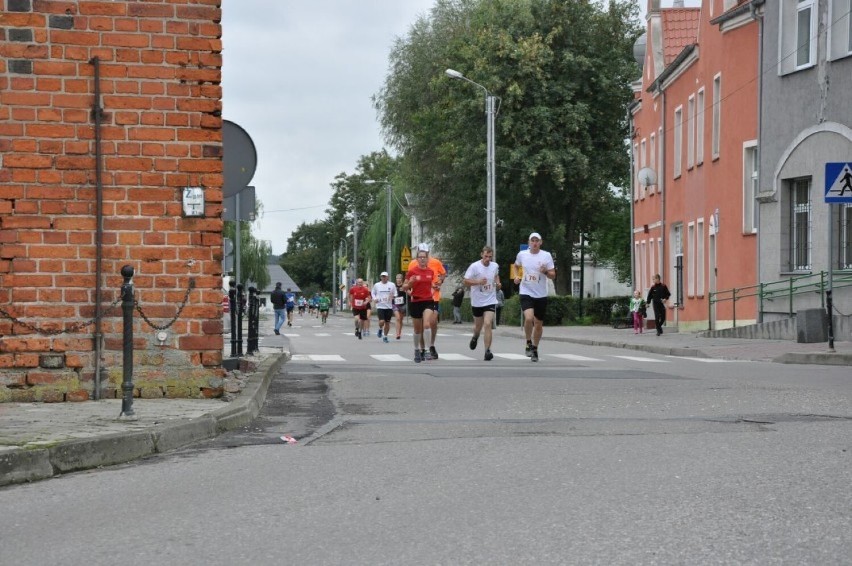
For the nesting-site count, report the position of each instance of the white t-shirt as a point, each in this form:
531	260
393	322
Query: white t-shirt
482	295
534	282
383	294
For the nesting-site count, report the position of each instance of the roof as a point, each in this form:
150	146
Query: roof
276	275
680	29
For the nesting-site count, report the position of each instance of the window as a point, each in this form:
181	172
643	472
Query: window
690	267
652	266
845	236
659	268
660	154
678	140
849	28
800	224
690	133
699	129
652	159
750	188
643	162
717	115
636	171
839	29
699	258
805	36
677	257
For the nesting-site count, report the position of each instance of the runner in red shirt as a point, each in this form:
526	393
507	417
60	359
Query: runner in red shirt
359	298
421	280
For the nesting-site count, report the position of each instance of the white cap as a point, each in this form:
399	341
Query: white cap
535	235
384	274
423	247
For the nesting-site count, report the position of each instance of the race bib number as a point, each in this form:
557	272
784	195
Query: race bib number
359	302
399	300
531	277
486	288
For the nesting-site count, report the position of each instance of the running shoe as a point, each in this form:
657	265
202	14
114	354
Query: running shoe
534	354
529	349
358	333
433	352
380	333
473	342
488	356
417	357
425	355
398	337
385	339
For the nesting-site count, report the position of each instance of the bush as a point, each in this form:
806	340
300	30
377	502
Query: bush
565	310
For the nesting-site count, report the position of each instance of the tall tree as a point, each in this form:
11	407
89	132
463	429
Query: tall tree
253	253
562	71
308	259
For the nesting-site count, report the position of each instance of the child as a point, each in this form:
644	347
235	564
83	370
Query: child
636	307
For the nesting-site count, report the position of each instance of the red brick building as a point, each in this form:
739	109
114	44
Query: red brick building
109	110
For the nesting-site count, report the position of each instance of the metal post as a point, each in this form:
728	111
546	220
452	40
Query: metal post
127	345
388	237
491	203
232	299
241	297
334	287
253	321
734	305
355	244
830	306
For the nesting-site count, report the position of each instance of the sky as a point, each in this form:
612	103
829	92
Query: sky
298	76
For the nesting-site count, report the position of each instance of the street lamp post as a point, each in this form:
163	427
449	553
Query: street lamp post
490	198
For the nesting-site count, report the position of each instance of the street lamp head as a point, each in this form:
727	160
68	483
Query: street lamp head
453	74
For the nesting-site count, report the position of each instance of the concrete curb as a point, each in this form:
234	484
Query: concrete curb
820	358
29	465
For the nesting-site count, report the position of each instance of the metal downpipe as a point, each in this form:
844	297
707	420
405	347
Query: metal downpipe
97	114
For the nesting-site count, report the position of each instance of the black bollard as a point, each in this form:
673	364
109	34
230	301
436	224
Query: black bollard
830	307
127	345
232	299
253	321
241	310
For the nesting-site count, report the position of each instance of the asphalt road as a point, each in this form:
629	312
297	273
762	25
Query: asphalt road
591	456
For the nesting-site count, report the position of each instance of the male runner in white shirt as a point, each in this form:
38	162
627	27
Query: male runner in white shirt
536	268
383	294
483	280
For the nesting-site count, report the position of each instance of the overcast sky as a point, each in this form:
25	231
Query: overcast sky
298	76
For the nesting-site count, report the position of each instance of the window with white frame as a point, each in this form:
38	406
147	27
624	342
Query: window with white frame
805	33
699	128
677	252
797	36
636	171
840	29
845	259
849	28
800	224
643	162
652	159
750	181
690	267
690	133
660	153
699	258
678	141
651	264
644	256
659	266
717	116
640	273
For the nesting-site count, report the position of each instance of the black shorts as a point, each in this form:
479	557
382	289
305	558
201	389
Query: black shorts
416	309
537	304
385	315
360	313
479	311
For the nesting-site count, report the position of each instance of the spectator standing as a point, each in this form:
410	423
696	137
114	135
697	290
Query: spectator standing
458	299
279	305
501	299
636	308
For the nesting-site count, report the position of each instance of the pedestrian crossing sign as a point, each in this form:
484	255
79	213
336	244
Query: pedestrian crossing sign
838	182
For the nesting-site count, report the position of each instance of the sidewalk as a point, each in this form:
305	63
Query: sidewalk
40	440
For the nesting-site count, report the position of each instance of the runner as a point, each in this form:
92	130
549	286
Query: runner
440	274
400	305
536	268
365	324
322	304
483	280
290	304
383	294
359	299
420	281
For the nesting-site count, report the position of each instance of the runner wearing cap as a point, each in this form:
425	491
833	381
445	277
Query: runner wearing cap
536	267
383	294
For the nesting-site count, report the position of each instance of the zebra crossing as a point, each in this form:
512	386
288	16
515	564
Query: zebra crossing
510	356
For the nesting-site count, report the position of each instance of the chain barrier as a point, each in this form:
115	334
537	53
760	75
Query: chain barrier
82	324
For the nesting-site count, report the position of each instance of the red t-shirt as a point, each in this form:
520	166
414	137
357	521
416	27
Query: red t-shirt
420	281
359	297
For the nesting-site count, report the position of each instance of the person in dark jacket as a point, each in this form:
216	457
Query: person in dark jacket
458	298
278	301
658	294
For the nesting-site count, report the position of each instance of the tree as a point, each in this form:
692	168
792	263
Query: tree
308	259
253	253
562	71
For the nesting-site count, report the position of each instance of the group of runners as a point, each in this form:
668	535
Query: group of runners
284	303
418	294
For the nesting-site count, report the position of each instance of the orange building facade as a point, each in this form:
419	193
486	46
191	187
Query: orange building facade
695	161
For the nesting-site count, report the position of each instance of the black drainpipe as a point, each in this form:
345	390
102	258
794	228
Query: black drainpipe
97	114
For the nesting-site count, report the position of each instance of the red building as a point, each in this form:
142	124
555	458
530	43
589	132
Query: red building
110	155
695	130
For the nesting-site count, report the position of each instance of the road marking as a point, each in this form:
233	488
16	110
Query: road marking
455	357
290	335
705	360
510	356
389	358
638	359
317	358
322	334
574	357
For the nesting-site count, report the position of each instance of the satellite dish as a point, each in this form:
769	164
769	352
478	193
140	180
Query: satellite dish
647	177
240	159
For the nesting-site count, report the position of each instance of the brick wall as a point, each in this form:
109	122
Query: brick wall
160	72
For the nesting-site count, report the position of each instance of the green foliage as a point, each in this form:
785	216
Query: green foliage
253	254
564	310
562	71
308	259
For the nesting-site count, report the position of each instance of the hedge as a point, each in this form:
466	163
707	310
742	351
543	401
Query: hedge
561	310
